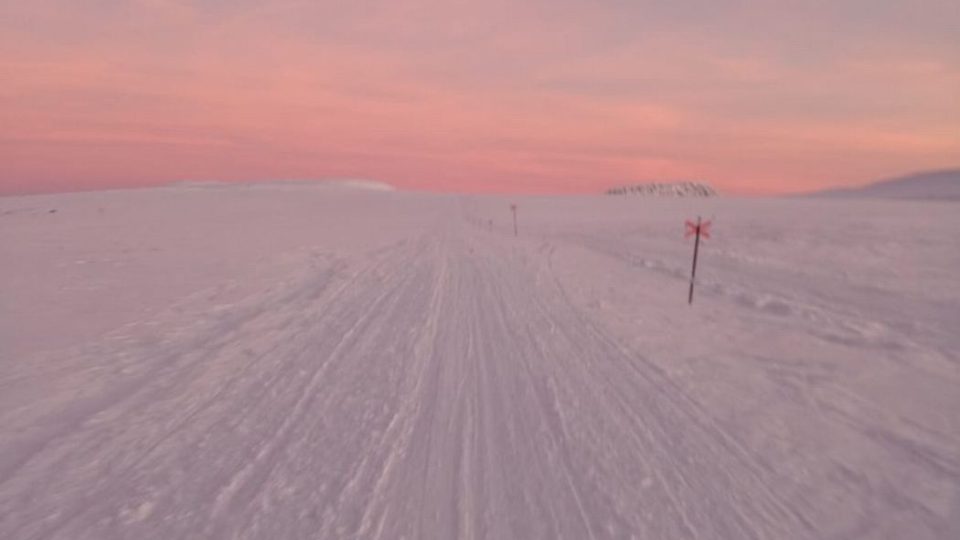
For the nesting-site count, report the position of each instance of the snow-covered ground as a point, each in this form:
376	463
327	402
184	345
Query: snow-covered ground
335	363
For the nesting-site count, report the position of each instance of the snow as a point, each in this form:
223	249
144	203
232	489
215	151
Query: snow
374	185
296	185
327	363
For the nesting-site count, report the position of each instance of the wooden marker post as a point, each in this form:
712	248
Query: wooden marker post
699	229
514	208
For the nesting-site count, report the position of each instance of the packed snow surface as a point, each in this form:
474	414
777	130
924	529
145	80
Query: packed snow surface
282	364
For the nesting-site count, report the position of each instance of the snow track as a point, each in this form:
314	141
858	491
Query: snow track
448	385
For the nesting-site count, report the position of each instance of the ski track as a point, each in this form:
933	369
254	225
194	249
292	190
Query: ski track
445	387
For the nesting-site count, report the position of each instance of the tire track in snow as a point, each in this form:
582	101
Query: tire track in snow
674	422
293	305
264	455
447	388
558	435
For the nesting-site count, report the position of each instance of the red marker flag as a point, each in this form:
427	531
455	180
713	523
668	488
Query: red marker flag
693	228
700	228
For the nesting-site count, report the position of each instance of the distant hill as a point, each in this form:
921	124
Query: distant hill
350	183
665	189
939	185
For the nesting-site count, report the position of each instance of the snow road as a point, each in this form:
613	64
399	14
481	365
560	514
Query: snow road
455	382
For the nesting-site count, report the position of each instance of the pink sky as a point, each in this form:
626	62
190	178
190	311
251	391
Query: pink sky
534	96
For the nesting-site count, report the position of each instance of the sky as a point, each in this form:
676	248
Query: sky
527	96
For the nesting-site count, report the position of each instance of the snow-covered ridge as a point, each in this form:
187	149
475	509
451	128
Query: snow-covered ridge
931	185
352	183
666	189
356	183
